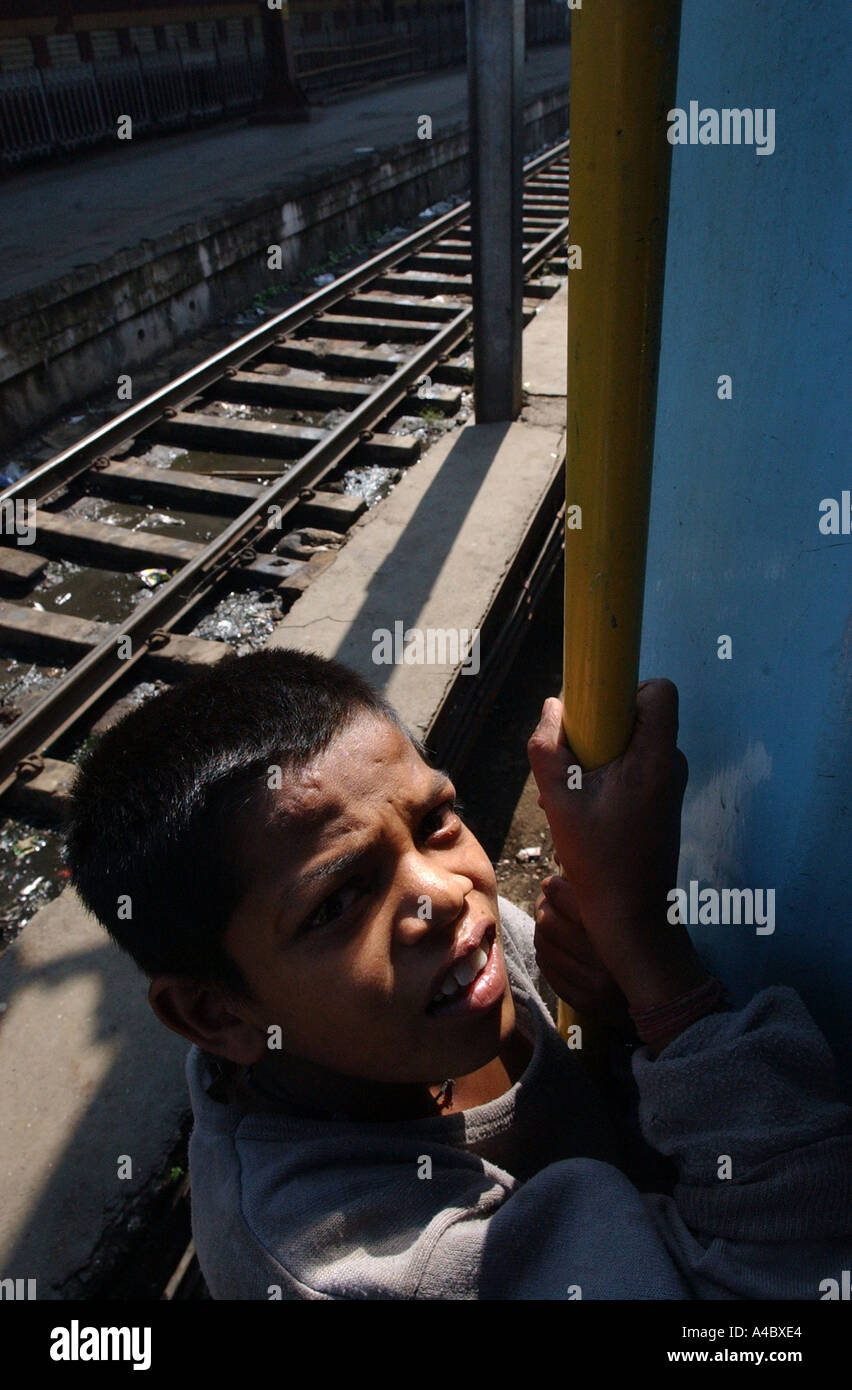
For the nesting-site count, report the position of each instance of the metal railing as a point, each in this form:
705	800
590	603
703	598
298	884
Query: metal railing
121	85
166	89
25	123
47	111
74	106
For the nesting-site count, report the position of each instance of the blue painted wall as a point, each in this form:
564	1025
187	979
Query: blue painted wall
757	286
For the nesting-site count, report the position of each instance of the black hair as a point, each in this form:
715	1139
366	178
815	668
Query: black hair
151	840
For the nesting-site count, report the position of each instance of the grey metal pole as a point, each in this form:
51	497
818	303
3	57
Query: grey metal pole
495	67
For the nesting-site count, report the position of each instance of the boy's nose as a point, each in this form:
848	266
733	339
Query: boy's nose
431	899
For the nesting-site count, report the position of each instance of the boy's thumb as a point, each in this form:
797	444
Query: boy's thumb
547	748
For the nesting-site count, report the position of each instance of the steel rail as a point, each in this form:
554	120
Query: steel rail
119	431
91	678
87	681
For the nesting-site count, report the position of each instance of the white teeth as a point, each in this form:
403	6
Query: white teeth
464	970
462	974
449	986
467	969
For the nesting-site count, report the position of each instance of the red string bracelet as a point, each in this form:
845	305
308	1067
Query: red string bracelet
664	1022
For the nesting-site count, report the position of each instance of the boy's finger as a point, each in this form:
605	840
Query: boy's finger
656	713
584	1002
564	935
569	975
559	893
548	749
558	907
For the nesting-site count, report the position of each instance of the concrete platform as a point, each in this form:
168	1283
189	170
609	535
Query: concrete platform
433	554
129	250
90	1073
79	213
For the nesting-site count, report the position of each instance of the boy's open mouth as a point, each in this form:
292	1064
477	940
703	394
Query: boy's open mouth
475	981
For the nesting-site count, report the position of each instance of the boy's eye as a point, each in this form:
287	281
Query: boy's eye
335	905
443	817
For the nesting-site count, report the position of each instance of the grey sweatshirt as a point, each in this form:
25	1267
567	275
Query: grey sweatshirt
525	1199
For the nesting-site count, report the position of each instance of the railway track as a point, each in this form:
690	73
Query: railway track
271	458
260	435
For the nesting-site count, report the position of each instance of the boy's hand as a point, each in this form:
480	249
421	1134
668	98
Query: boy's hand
567	958
617	839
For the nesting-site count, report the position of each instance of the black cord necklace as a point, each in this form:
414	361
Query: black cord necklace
444	1098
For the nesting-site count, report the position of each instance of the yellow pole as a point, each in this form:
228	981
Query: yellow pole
623	77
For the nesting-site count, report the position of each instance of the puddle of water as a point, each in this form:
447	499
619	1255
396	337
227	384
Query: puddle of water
104	595
20	682
138	515
245	621
87	508
32	865
32	871
107	595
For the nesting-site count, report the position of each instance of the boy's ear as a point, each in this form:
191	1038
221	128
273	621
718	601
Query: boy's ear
202	1015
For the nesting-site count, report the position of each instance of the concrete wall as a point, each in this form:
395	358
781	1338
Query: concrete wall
66	340
755	288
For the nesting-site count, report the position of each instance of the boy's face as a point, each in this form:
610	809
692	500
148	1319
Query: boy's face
365	887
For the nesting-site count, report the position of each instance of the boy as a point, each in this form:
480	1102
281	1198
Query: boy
383	1106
